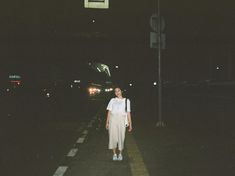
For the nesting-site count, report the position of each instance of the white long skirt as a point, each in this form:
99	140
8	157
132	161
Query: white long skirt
117	131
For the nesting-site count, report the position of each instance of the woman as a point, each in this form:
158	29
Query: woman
118	108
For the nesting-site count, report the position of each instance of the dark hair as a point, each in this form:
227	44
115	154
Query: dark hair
117	87
124	93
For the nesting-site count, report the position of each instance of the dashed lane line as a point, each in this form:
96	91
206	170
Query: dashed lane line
85	132
80	140
72	152
138	168
60	171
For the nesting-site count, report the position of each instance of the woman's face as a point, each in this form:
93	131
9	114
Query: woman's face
118	92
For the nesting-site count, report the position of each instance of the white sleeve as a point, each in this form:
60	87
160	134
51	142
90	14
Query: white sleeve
128	105
109	107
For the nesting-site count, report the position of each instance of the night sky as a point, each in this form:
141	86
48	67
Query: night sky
37	37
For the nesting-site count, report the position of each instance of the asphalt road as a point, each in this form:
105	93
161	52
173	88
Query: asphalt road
199	138
37	132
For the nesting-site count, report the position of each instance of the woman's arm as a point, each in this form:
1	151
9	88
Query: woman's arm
129	121
107	120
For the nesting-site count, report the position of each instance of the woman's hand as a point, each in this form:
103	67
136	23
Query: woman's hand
107	126
130	128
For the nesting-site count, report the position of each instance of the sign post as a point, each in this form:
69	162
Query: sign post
157	40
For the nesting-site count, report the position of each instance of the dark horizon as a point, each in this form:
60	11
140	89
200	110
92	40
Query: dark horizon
199	38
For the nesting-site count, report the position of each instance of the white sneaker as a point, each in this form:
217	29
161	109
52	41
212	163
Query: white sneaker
120	158
115	157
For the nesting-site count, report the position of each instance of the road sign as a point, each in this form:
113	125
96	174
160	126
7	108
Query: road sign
96	4
154	40
154	23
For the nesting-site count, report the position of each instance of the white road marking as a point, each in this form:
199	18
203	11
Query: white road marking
72	152
80	140
85	132
137	165
60	171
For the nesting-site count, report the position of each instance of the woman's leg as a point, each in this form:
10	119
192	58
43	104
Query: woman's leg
114	151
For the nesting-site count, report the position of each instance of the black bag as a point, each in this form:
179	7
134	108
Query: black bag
126	118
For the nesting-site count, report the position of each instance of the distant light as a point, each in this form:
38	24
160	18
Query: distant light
93	91
155	83
217	68
48	95
130	85
14	77
93	21
17	82
77	81
108	90
116	66
71	86
8	90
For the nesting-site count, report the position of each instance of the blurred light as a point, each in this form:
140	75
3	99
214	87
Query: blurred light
71	86
14	77
116	66
155	83
8	90
109	90
77	81
17	82
217	68
94	90
48	95
130	85
93	21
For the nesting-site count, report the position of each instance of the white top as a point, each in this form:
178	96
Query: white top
117	106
